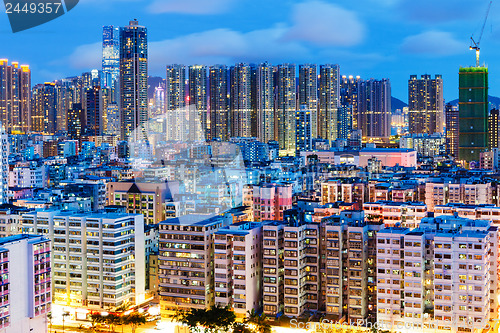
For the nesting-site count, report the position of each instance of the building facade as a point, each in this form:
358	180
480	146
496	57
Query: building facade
133	80
425	104
473	112
98	259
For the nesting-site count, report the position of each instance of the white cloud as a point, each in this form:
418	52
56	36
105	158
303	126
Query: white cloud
325	24
87	56
198	7
433	43
224	46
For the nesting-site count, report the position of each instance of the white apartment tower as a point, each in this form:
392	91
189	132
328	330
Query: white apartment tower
186	271
98	259
25	288
440	276
238	266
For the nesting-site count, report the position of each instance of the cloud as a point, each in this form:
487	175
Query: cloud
86	57
433	43
432	11
225	46
325	24
197	7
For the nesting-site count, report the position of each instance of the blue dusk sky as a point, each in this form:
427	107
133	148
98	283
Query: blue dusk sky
370	38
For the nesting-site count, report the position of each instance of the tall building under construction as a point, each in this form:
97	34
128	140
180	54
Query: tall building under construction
473	112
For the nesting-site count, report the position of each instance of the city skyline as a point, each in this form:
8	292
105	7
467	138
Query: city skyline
395	43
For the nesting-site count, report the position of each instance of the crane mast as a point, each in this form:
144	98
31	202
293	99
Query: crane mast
475	45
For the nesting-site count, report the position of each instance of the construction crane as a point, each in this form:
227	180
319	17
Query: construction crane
475	45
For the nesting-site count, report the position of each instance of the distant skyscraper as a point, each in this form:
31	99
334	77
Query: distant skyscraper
4	165
158	101
219	103
76	121
493	129
374	107
133	79
344	121
198	97
452	119
329	90
425	104
112	119
241	107
111	59
349	96
175	87
15	96
65	98
44	107
265	102
286	107
175	95
304	129
473	112
308	93
93	111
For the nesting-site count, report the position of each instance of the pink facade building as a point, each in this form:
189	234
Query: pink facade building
271	200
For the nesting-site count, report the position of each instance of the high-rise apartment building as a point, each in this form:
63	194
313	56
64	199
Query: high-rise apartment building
76	121
44	108
199	126
186	269
175	87
473	112
304	131
493	129
425	104
133	80
98	258
286	107
4	165
66	93
94	108
25	287
441	276
452	130
111	60
175	103
308	93
374	108
344	127
219	103
349	97
238	266
265	102
242	107
15	96
329	94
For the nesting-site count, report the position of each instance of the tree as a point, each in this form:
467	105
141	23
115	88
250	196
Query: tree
112	320
134	320
213	320
261	322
